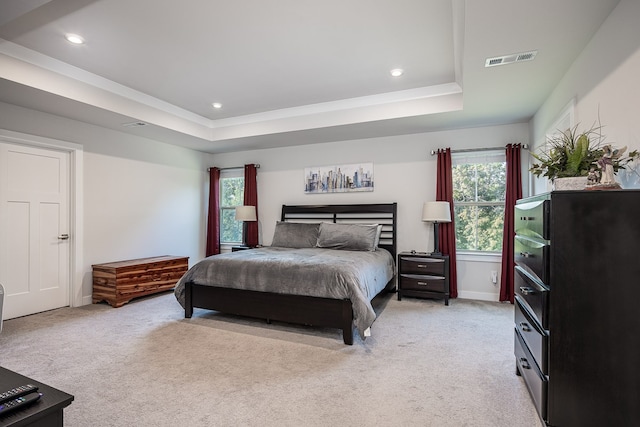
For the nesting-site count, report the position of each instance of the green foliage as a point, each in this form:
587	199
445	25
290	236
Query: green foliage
479	194
231	191
569	154
231	195
479	228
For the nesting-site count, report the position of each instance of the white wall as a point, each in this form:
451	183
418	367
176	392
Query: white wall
404	172
603	80
139	198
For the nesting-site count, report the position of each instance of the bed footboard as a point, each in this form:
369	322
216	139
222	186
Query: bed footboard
303	310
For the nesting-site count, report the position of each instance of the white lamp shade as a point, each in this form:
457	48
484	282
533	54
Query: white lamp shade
436	212
246	213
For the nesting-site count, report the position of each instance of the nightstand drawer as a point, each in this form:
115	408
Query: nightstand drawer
416	282
422	265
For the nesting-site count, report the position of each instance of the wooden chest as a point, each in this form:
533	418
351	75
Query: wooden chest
119	282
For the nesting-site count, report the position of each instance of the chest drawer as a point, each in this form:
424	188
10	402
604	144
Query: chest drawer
422	283
533	335
534	295
533	256
422	265
536	382
532	219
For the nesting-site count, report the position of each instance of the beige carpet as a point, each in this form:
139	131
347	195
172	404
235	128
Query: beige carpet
145	365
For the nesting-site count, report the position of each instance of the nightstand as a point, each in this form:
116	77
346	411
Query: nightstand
423	275
240	248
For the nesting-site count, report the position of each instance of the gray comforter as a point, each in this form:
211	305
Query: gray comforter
355	275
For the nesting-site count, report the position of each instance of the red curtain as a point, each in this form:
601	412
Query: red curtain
447	238
513	193
251	199
213	219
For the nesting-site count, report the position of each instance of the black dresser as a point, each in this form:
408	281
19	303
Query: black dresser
577	320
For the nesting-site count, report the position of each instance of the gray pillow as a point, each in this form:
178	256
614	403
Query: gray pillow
295	235
351	237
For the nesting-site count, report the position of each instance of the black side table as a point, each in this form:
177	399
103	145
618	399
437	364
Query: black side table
47	411
423	275
240	248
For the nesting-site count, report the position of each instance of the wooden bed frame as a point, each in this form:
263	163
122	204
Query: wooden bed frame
305	310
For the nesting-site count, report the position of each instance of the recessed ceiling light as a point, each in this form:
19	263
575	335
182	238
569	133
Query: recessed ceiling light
216	105
397	72
74	38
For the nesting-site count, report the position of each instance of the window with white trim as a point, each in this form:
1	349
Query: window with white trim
479	187
231	195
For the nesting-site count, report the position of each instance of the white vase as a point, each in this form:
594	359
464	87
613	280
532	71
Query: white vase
571	183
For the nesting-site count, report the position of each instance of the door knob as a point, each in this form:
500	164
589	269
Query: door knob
63	237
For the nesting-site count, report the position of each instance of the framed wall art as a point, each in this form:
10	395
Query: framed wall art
338	179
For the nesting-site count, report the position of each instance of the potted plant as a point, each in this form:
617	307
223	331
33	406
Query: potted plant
579	156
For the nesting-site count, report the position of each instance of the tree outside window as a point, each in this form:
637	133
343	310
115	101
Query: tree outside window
479	186
231	195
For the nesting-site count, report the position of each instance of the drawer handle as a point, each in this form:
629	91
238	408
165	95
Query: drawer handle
525	254
422	266
525	327
525	363
422	283
525	290
527	218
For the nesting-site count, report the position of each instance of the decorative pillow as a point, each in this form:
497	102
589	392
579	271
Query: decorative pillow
295	235
378	233
351	237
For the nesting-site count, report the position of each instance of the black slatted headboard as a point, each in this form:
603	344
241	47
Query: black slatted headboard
378	213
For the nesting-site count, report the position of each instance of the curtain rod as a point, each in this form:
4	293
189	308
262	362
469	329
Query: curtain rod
234	167
468	150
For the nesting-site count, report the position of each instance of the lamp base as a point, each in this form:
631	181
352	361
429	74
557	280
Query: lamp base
245	232
436	238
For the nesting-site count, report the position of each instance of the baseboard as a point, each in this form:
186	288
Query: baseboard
482	296
86	300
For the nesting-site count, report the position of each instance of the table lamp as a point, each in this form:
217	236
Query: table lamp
436	212
245	214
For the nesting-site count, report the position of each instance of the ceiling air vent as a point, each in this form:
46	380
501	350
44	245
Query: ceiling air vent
509	59
134	124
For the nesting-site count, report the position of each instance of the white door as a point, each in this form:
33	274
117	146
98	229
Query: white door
34	227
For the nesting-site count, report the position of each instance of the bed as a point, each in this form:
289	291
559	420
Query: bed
285	282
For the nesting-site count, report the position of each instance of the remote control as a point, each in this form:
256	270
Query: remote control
19	402
17	392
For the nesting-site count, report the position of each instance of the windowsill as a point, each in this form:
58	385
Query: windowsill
479	256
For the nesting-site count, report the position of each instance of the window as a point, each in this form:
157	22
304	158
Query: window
231	195
479	186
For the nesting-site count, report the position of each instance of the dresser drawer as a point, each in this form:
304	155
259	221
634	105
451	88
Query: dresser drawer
536	382
534	295
533	256
415	282
420	265
532	219
533	335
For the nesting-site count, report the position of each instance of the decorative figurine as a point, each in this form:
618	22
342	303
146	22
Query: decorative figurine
593	177
609	156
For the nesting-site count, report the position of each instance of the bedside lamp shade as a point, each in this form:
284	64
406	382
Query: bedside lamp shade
245	214
436	212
